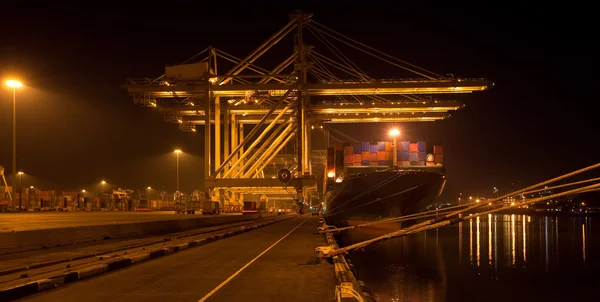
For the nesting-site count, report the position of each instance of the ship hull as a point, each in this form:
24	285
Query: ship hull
380	195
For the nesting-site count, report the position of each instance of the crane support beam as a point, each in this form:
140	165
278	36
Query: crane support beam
191	88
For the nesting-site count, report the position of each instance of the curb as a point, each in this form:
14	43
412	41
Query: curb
29	288
347	277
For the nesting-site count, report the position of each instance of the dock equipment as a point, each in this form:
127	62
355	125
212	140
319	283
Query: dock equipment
315	84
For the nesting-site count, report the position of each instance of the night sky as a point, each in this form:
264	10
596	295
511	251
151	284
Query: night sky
77	126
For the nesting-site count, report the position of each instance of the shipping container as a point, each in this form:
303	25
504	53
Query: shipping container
413	156
338	146
365	146
384	163
365	155
414	147
422	146
439	158
405	163
349	158
373	164
380	155
421	163
430	164
403	155
373	148
422	155
356	158
372	156
388	155
364	163
348	150
357	148
405	146
388	146
414	163
380	146
437	149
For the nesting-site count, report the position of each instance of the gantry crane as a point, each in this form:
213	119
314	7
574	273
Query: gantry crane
285	102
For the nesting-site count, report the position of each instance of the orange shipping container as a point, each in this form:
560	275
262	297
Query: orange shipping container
388	146
338	146
366	154
348	158
430	163
388	155
380	155
357	158
437	149
439	158
405	163
372	157
414	147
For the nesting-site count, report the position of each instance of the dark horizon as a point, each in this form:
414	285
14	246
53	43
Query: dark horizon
77	126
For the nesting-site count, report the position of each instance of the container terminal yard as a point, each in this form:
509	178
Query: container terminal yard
259	230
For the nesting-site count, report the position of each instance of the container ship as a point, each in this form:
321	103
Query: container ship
364	184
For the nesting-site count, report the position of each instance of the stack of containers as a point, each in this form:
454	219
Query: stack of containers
413	155
373	155
356	156
438	152
365	153
348	155
421	153
402	154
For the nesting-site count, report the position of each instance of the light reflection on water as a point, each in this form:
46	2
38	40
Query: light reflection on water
523	265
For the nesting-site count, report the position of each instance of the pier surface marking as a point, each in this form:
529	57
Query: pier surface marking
212	292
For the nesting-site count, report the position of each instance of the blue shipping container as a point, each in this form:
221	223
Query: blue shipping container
357	148
381	146
405	146
364	163
413	156
422	146
373	148
365	146
422	155
403	156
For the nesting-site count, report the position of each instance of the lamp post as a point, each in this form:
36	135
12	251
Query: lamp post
394	133
177	155
20	190
14	84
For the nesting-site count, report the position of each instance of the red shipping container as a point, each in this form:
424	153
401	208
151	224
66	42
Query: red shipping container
439	158
372	157
388	146
388	155
414	147
357	158
380	155
437	149
338	146
348	158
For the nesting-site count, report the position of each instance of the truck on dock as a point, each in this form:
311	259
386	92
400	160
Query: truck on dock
250	207
210	207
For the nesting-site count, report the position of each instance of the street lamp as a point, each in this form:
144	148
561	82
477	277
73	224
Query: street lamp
14	84
177	155
394	133
20	189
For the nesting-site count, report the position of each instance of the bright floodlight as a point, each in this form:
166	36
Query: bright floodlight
14	84
103	182
20	173
394	132
177	151
149	188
